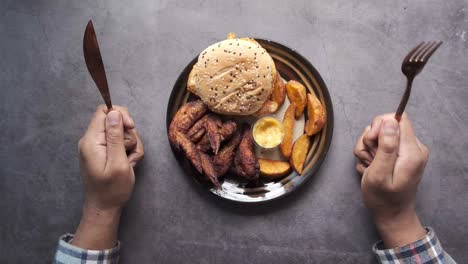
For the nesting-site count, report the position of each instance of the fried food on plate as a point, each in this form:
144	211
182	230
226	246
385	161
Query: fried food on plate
187	115
245	162
209	169
297	94
299	153
188	148
234	76
213	123
198	129
279	91
316	115
224	160
288	127
226	131
209	124
269	107
273	169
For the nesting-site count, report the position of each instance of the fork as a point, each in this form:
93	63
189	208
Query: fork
413	64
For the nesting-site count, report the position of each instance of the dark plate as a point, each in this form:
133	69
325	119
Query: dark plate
291	65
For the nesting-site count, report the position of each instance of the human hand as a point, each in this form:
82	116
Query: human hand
108	176
391	160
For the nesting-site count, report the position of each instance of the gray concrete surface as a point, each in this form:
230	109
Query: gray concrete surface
47	98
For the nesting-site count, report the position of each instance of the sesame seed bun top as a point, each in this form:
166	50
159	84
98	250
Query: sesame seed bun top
234	76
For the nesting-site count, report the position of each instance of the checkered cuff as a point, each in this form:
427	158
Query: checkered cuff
424	251
70	254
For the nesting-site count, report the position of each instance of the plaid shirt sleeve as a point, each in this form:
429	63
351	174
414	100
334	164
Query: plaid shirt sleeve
424	251
69	254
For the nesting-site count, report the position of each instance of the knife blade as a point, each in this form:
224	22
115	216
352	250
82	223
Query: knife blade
94	63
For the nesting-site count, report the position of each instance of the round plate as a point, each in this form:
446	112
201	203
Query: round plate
292	66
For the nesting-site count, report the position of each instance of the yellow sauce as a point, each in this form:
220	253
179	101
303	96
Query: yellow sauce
268	132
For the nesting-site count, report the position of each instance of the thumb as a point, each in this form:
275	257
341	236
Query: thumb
115	139
387	150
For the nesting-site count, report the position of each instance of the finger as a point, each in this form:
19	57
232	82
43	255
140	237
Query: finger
408	138
360	150
97	123
138	152
115	140
370	139
424	150
387	151
127	118
130	139
361	168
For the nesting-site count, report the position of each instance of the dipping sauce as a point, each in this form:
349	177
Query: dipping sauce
268	132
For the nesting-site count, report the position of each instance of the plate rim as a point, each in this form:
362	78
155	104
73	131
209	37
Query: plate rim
328	135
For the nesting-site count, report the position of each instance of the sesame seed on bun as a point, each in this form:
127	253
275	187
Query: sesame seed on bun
234	76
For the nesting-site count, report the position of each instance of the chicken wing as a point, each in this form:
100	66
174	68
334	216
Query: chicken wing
245	162
198	129
223	161
226	131
209	169
187	115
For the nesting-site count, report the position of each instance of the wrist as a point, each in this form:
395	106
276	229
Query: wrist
100	216
98	227
400	228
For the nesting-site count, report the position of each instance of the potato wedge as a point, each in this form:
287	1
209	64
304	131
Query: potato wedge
316	115
297	94
288	127
279	90
273	169
299	153
269	107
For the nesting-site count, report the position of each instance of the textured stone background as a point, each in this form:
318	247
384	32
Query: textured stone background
47	98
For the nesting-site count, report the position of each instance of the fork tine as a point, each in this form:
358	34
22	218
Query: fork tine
412	51
429	53
427	48
419	51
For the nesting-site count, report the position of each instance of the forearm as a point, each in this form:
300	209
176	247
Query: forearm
98	228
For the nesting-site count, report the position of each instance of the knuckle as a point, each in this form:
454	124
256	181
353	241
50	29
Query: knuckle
376	119
113	136
367	140
358	167
376	180
82	145
356	152
122	168
387	145
415	160
393	188
101	107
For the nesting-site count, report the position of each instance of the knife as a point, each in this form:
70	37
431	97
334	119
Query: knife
95	66
94	63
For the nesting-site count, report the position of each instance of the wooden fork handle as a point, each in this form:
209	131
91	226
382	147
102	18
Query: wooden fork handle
404	100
